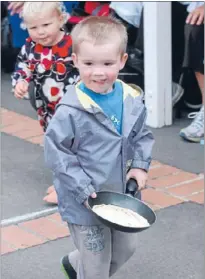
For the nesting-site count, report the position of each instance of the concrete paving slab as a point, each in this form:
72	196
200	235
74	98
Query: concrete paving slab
9	102
170	149
24	177
172	248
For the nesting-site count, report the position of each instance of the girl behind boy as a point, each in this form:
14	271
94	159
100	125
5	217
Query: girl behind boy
46	60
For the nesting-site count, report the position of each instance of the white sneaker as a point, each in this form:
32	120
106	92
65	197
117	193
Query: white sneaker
177	93
195	131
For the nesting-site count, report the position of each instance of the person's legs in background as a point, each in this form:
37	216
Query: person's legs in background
195	131
200	80
194	59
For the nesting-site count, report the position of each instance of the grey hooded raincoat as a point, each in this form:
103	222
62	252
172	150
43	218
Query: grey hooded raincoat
87	154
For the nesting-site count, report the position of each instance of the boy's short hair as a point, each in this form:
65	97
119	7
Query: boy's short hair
98	30
33	9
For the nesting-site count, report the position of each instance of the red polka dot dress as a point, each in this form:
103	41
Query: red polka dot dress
51	69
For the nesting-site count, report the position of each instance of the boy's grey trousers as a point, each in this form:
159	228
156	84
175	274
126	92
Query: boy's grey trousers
100	251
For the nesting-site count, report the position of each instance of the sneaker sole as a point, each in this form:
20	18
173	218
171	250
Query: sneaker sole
192	106
64	271
190	139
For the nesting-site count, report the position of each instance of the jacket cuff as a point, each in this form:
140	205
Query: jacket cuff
85	194
136	164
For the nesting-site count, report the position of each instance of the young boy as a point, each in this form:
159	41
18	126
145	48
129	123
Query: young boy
46	60
98	126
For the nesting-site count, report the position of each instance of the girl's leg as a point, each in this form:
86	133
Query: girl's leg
51	197
50	189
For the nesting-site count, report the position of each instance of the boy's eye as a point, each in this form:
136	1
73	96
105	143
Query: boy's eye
46	24
108	63
88	63
32	28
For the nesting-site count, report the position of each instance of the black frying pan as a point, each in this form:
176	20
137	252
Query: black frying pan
127	200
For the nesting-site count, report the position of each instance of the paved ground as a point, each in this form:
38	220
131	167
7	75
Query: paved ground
170	249
24	178
8	101
172	150
31	226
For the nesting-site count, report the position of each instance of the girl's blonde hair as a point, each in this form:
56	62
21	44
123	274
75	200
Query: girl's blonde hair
98	30
34	9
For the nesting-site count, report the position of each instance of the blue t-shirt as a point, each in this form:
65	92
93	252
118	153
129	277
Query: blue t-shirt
111	103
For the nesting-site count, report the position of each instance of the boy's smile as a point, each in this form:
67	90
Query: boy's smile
99	65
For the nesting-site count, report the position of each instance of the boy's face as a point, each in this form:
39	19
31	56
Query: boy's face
99	65
45	29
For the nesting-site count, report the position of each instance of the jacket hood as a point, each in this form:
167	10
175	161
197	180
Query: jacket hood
76	98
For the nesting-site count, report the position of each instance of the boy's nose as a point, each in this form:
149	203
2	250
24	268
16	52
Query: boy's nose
98	72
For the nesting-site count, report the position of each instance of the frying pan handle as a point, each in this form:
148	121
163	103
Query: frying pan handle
132	187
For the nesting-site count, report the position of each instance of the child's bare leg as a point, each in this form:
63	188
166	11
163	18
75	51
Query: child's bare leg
50	189
51	198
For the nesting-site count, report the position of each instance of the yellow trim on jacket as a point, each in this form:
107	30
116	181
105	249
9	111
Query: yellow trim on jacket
87	102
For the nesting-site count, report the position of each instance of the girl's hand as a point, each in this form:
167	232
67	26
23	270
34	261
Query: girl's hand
21	89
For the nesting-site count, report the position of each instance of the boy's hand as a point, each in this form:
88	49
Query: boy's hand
21	89
139	175
93	195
